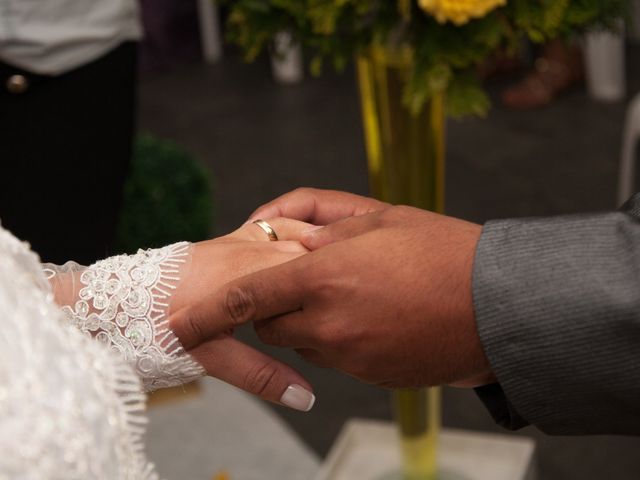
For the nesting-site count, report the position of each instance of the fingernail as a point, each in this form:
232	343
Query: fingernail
298	398
311	229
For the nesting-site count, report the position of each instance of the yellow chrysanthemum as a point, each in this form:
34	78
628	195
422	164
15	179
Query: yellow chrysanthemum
459	11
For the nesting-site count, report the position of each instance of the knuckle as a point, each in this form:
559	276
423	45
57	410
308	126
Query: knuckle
332	337
343	339
239	305
303	190
389	215
325	289
323	336
323	278
259	378
402	209
404	212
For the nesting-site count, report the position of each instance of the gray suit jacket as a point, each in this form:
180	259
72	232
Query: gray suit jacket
557	304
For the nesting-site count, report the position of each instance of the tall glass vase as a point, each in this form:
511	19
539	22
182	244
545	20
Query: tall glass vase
405	151
406	166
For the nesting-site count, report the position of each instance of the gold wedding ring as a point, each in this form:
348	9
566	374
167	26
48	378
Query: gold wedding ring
268	229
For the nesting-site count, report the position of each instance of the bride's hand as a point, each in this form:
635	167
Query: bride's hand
215	263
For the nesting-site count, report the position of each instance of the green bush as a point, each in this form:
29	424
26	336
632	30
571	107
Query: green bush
167	197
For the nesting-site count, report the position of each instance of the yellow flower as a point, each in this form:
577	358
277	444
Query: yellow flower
459	11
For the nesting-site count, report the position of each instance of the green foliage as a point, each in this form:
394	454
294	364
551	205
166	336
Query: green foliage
445	56
167	198
466	97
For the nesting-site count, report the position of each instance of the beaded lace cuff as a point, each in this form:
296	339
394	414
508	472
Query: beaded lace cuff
69	408
124	301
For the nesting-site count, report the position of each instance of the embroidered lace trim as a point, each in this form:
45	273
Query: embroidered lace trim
123	302
69	408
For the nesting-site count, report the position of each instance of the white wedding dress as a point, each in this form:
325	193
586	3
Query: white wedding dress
72	378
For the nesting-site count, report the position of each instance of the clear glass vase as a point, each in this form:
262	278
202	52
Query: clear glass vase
417	413
406	166
405	151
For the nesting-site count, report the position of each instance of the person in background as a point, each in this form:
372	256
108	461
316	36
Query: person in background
558	68
67	97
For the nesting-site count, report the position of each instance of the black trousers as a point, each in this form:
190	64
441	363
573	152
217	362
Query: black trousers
65	147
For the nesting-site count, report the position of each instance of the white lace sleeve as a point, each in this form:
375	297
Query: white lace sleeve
69	408
124	302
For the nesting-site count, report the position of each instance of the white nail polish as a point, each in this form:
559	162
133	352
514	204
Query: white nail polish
298	398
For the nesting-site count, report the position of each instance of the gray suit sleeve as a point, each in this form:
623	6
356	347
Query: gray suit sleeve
557	304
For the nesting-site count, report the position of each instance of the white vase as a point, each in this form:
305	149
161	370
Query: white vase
287	65
605	66
210	37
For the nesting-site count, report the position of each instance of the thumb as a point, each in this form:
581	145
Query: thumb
317	237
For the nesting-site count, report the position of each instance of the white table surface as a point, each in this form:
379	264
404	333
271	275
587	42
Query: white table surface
224	429
368	450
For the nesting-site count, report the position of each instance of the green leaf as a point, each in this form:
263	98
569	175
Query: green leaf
465	97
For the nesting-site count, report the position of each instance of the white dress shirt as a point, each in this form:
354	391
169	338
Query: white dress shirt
51	37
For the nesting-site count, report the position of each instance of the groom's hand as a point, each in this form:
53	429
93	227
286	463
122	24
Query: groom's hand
385	297
318	207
